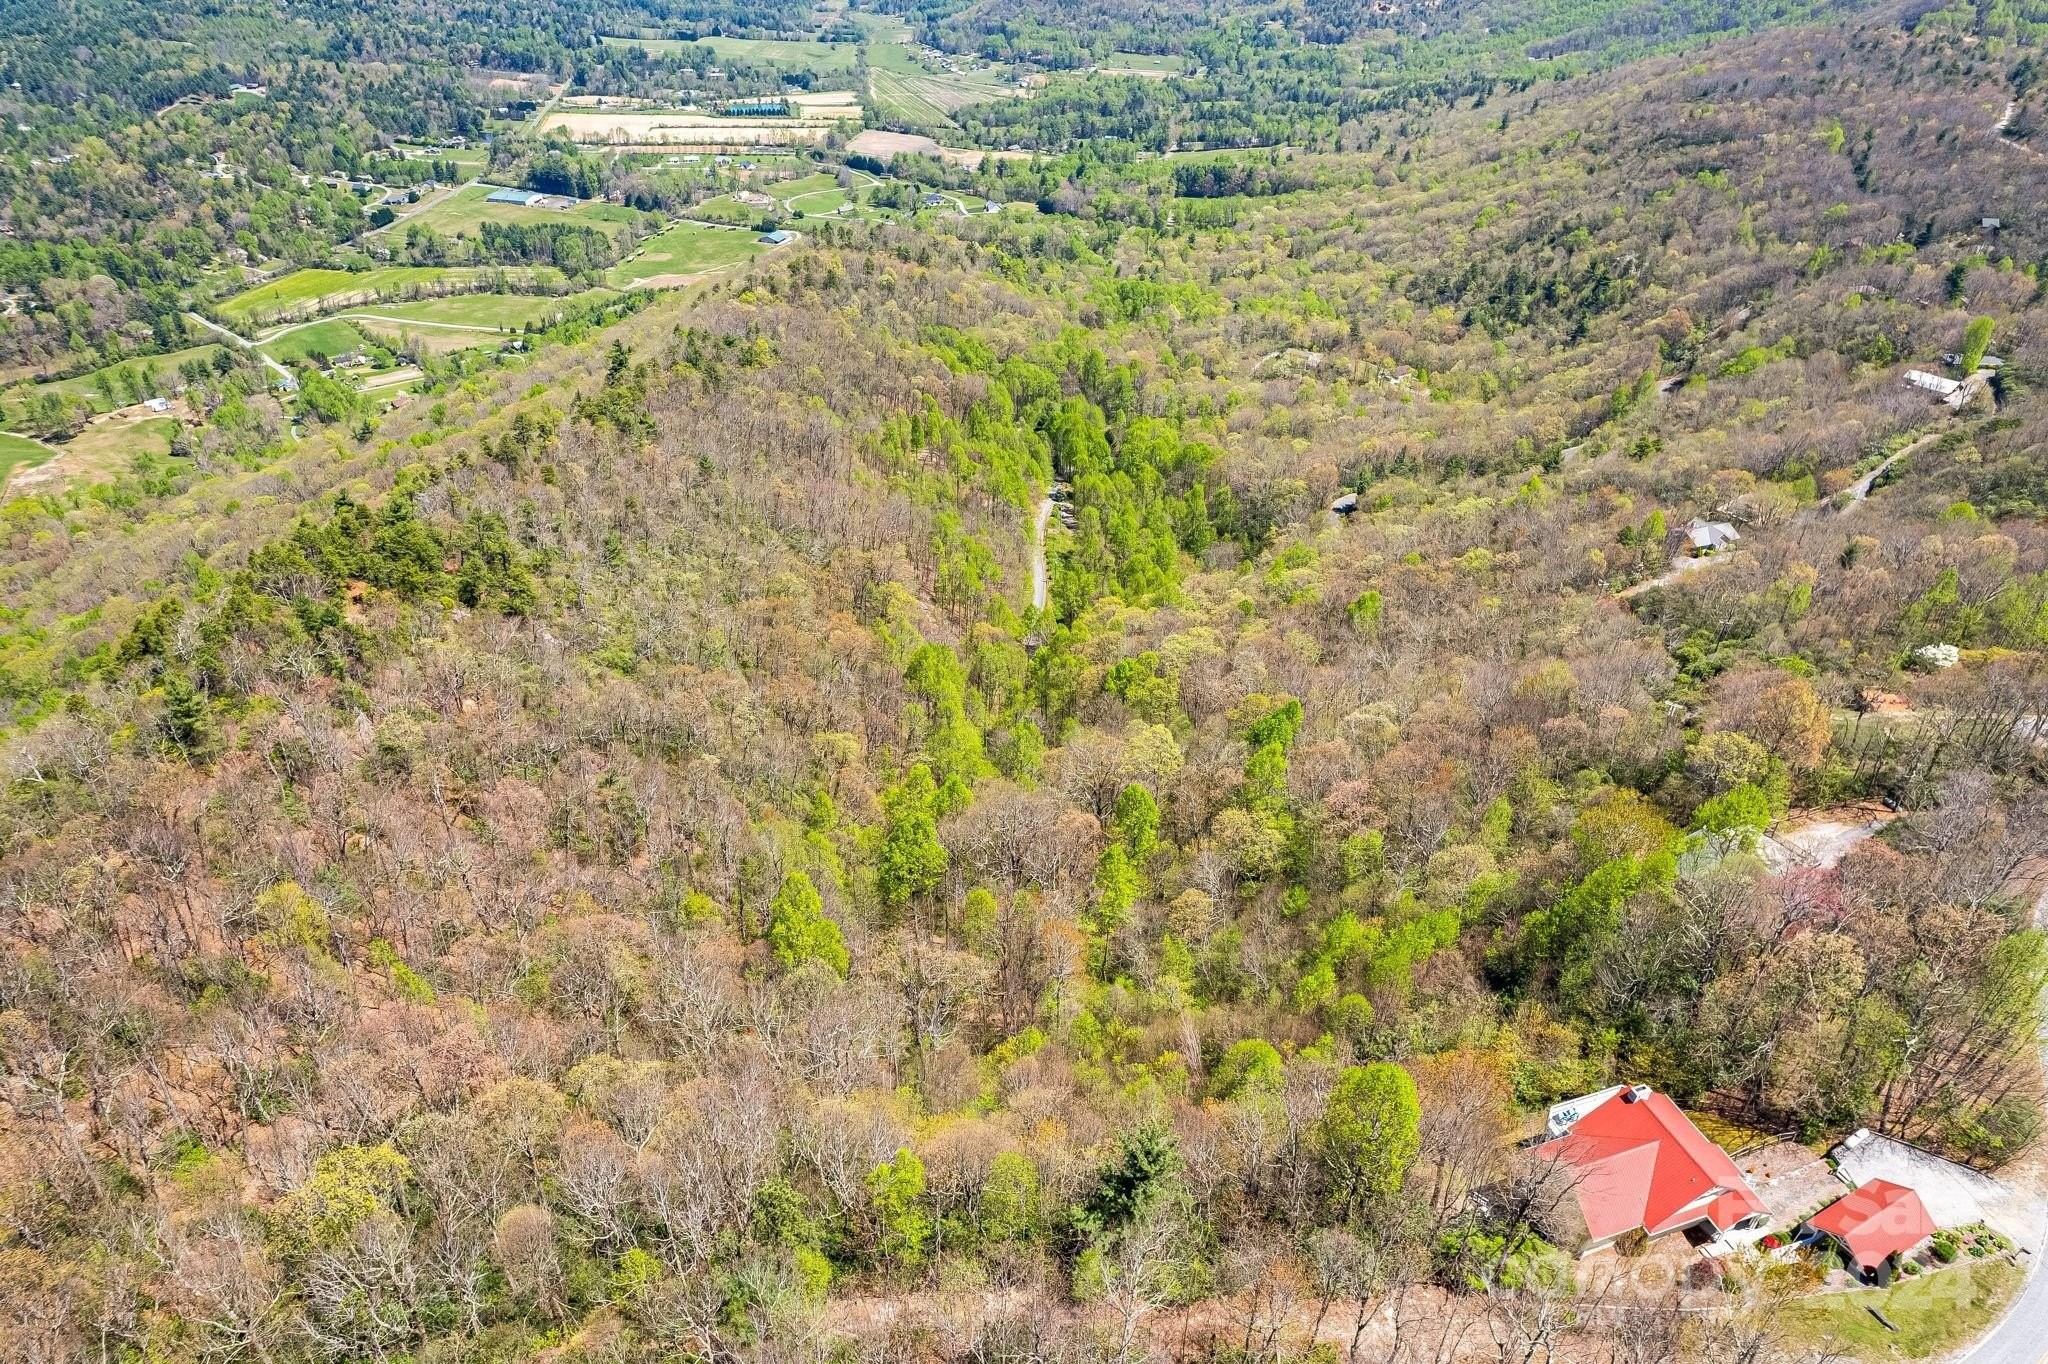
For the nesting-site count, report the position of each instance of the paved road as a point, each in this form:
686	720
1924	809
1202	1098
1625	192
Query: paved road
1038	575
242	341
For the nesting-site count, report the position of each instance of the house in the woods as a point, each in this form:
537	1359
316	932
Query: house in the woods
1638	1165
1874	1226
1954	392
1709	537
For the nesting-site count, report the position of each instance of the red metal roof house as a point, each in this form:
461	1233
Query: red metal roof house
1638	1162
1876	1222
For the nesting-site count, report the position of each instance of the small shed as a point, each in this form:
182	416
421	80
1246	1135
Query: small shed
779	237
1873	1225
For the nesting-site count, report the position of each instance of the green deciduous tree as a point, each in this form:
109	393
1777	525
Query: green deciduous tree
800	931
1370	1132
912	860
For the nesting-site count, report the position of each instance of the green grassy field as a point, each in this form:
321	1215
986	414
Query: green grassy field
17	451
304	287
726	209
1935	1313
685	249
330	338
1165	63
819	58
306	292
508	311
785	190
818	203
464	212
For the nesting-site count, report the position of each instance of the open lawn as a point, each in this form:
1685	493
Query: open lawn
1934	1312
18	451
329	339
726	209
685	249
463	213
306	293
1143	64
801	188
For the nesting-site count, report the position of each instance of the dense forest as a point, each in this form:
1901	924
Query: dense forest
610	863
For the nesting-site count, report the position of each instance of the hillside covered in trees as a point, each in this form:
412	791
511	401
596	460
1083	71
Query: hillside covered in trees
610	864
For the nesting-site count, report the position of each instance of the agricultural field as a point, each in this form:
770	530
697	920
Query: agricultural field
904	87
474	312
818	58
684	252
816	114
463	213
307	292
415	339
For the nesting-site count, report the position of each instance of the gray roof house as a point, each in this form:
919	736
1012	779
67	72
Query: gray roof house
1709	537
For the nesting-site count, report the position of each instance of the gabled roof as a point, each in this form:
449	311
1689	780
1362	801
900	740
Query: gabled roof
1876	1222
1641	1163
1710	534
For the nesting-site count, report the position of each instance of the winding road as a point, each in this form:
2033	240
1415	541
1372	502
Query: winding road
1860	489
244	342
1038	574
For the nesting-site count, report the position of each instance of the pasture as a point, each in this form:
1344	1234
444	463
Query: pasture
819	58
320	341
1158	65
474	312
305	293
683	252
463	213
